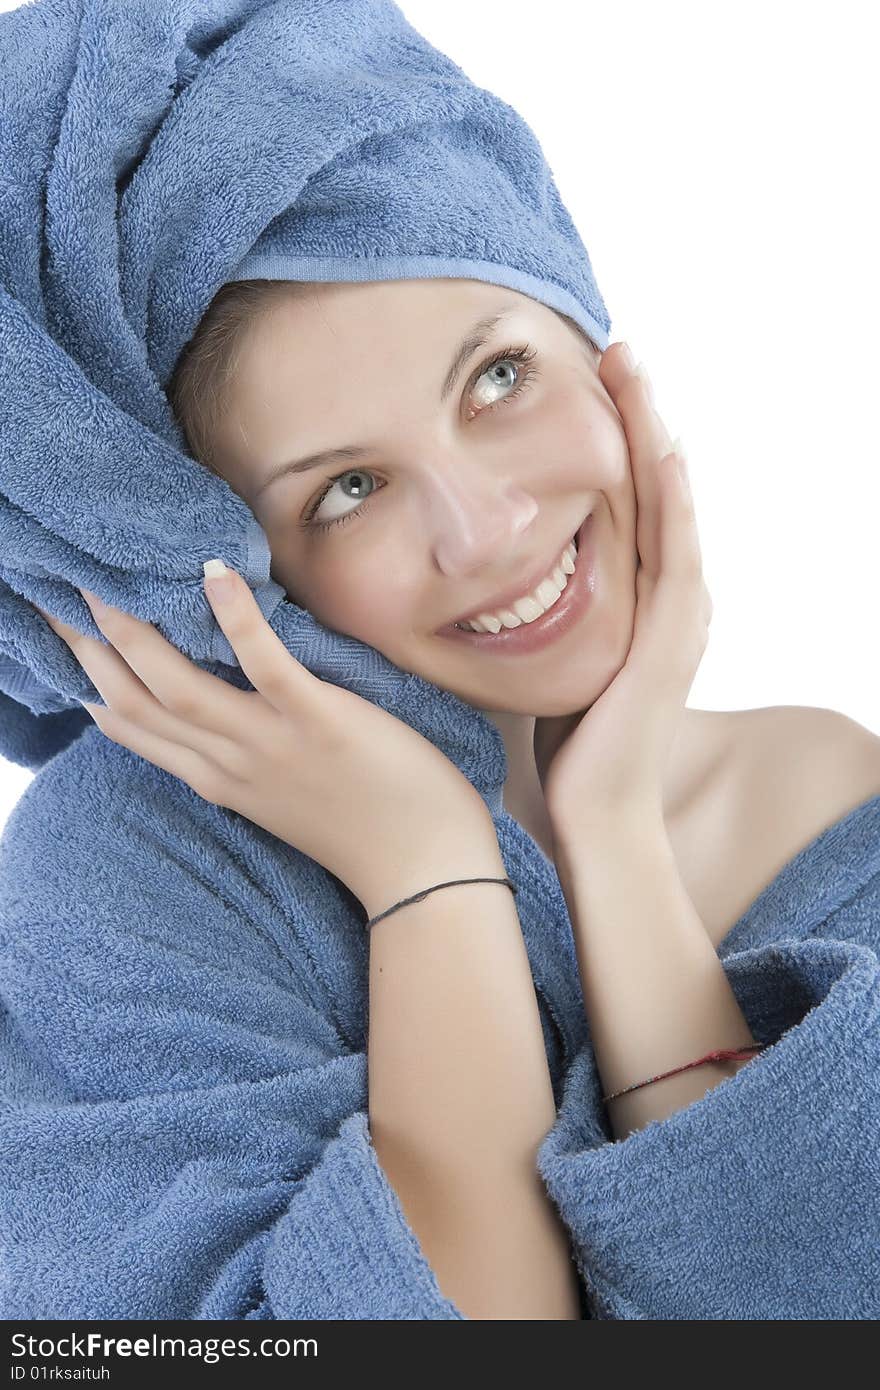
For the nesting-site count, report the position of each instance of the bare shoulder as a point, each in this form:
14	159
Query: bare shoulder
773	779
813	764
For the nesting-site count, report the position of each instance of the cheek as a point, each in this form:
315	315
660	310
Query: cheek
367	599
587	438
377	609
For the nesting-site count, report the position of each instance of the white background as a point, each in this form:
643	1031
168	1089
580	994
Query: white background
717	160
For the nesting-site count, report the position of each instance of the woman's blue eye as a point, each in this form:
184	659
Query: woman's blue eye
525	377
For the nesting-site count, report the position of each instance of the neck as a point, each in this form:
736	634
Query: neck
523	796
517	731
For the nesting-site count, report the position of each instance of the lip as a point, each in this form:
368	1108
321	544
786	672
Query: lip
566	611
509	596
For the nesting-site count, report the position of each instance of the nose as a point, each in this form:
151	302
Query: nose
474	521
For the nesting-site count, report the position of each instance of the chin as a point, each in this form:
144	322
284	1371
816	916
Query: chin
568	697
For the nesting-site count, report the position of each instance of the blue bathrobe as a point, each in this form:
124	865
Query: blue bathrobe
184	1130
183	997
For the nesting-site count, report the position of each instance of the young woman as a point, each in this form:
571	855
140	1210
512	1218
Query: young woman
742	790
461	504
356	963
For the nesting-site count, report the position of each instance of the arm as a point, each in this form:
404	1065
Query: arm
655	993
459	1089
178	1063
674	1001
761	1198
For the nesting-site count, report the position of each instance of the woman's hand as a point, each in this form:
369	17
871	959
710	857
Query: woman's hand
330	773
611	759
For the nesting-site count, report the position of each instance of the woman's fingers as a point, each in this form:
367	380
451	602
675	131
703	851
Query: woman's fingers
199	771
648	442
135	714
161	672
283	682
671	569
666	535
680	543
104	666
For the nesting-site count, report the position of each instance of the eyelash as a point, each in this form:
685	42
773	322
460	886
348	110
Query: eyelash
525	354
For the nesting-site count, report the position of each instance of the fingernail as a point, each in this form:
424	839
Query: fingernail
627	356
218	580
646	381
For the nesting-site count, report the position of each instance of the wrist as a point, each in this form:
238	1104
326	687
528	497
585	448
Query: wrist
466	854
597	832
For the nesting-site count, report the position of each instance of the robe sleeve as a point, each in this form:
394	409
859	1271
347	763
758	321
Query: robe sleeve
183	1131
761	1200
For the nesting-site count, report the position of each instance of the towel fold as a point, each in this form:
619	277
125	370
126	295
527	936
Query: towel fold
150	153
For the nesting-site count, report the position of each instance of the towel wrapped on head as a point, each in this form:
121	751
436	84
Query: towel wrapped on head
150	154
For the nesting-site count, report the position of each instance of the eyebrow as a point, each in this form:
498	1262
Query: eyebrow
477	337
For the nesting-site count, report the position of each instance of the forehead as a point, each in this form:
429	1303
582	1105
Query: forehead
322	349
313	327
382	313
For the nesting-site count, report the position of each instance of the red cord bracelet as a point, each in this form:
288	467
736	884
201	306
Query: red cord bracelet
726	1055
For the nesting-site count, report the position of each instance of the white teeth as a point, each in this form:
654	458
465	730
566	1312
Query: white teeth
531	606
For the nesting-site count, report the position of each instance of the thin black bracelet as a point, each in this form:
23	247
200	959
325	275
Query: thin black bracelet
417	897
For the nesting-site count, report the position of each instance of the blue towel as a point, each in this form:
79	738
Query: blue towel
183	1070
149	154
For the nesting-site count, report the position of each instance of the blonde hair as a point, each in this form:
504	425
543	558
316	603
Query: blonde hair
201	377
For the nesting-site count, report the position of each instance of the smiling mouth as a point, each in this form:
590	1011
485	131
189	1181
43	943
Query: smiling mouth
533	635
524	597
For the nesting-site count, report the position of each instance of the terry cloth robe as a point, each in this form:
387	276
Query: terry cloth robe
184	1129
183	1075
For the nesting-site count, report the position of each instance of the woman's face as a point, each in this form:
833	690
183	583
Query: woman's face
453	499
